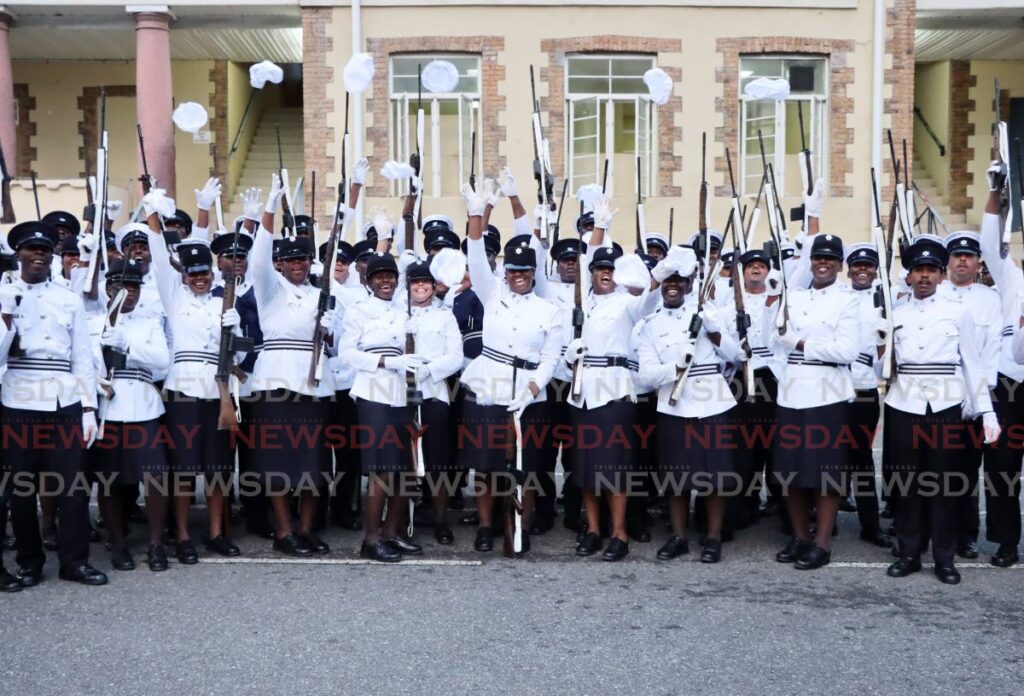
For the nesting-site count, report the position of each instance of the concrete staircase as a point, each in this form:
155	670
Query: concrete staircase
262	157
954	221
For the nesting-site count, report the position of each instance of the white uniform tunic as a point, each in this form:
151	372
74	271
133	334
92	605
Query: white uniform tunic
288	319
863	370
345	296
1010	284
56	369
757	337
136	399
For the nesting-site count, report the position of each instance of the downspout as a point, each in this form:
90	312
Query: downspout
878	76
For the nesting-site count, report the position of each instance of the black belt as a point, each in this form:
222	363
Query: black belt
761	351
926	369
704	369
39	364
286	344
797	358
510	360
196	356
387	351
606	361
138	375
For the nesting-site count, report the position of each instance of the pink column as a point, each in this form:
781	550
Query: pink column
8	131
153	95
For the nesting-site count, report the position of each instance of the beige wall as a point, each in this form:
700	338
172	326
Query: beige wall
1011	79
931	95
698	29
238	94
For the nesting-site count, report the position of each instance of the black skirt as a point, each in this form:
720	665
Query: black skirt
129	452
606	443
698	453
439	456
286	436
812	447
195	445
486	441
385	440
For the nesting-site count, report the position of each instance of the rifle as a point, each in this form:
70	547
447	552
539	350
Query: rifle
739	234
671	224
89	212
113	359
883	294
558	219
512	542
35	194
287	219
702	220
696	322
541	163
906	234
776	231
416	160
99	205
909	203
578	314
641	226
933	215
742	318
229	416
7	216
326	300
755	214
1012	207
312	200
413	397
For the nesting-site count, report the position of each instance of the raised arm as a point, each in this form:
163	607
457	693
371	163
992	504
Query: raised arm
480	275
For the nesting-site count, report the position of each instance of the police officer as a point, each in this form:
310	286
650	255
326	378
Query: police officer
49	385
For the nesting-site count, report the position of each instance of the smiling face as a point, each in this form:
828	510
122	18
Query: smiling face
601	280
295	270
35	262
139	251
568	268
341	271
422	292
382	284
674	289
924	279
69	261
519	282
199	283
963	268
825	270
862	274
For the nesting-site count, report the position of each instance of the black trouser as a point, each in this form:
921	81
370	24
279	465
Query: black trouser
758	414
928	472
864	419
345	500
255	504
1003	466
968	516
43	453
558	414
646	462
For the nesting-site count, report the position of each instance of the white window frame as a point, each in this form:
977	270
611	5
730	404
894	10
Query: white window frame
648	163
817	137
401	146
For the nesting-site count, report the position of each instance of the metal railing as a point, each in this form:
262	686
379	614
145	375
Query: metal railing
928	129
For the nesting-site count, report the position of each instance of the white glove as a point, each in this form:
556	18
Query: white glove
316	269
576	349
491	192
252	203
8	299
474	201
712	319
382	223
113	210
520	403
685	353
603	213
156	201
114	338
812	203
881	330
89	428
276	193
996	176
406	258
507	182
328	319
344	211
360	170
790	338
990	424
230	318
662	270
208	195
85	243
403	363
423	373
416	183
773	281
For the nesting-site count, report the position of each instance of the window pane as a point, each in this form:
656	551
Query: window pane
625	128
405	70
588	85
404	84
628	85
584	67
630	67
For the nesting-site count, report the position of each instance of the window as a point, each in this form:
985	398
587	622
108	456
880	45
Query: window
779	122
449	122
609	117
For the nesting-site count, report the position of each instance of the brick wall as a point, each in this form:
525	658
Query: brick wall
492	103
89	104
318	89
898	104
840	102
218	101
960	130
26	129
554	104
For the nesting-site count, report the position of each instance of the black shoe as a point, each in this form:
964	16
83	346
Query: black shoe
405	546
121	559
9	583
349	522
263	531
590	545
947	573
712	552
484	539
443	534
380	551
639	533
967	549
186	552
50	538
156	558
292	545
471	519
318	545
794	550
726	537
223	546
877	539
904	567
673	548
575	524
1006	556
846	504
616	551
541	526
84	574
29	577
815	558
